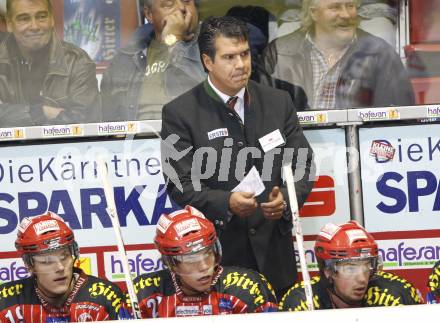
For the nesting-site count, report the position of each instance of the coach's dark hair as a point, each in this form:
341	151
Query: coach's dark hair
213	27
9	7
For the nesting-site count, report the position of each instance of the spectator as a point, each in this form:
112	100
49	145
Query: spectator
350	274
194	279
225	116
337	64
44	80
56	291
160	63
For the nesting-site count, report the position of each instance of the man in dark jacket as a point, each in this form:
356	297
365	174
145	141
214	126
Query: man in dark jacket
44	80
218	132
338	65
160	63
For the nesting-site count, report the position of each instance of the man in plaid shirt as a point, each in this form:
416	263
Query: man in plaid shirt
337	64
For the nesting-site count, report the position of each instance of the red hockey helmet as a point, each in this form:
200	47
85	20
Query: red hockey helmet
43	233
185	232
344	242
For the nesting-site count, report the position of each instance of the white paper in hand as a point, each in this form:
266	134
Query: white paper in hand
251	183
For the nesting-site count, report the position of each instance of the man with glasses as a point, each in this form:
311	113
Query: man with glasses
195	284
43	79
350	274
56	291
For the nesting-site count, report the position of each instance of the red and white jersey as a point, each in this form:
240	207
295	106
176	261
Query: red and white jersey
92	299
234	290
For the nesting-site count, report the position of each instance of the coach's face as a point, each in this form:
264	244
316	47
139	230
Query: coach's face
230	69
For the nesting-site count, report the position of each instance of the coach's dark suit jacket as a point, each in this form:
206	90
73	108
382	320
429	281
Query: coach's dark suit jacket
248	242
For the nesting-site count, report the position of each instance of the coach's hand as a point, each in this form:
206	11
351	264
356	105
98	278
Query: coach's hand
274	208
242	204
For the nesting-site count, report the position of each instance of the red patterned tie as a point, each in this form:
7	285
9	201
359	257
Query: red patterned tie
231	102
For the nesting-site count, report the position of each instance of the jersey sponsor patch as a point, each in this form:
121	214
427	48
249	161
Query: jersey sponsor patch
187	310
85	317
58	319
46	226
207	309
225	305
221	132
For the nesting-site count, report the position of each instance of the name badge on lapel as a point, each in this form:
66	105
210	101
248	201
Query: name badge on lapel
221	132
271	140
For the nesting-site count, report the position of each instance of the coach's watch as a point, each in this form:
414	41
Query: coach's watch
170	39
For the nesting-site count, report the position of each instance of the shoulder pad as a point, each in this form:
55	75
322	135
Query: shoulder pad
152	283
249	286
388	289
105	293
295	298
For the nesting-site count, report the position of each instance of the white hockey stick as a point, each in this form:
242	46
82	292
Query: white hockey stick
111	209
290	181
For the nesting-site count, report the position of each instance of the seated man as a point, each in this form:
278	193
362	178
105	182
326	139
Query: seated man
44	80
338	65
347	258
56	291
161	62
194	283
434	285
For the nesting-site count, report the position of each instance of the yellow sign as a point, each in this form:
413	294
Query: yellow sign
85	264
77	130
18	133
132	127
393	114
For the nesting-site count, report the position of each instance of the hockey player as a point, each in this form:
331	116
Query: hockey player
434	285
194	283
56	291
347	257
